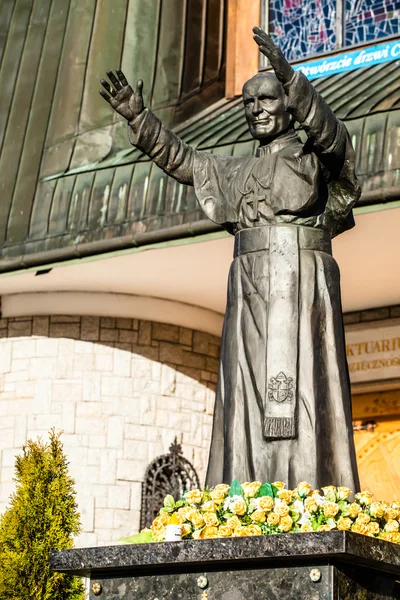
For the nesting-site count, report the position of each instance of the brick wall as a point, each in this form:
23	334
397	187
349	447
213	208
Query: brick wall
372	314
121	389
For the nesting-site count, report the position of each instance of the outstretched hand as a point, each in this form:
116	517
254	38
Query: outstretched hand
283	70
121	96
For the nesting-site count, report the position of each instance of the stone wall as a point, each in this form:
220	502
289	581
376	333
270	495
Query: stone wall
372	314
120	389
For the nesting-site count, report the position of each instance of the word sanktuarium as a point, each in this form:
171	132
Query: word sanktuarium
256	508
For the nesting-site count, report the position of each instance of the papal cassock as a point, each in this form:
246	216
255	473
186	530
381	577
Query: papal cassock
283	406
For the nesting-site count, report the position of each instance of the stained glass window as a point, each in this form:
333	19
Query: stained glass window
368	20
303	27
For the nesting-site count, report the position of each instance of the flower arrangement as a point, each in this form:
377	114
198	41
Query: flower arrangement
255	508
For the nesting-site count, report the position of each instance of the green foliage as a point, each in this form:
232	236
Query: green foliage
170	505
42	516
267	489
235	489
144	537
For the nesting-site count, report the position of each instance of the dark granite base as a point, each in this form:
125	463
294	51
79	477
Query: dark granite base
261	584
317	566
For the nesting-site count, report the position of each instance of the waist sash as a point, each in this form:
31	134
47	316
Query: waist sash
282	243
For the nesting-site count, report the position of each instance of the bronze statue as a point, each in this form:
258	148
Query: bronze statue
283	404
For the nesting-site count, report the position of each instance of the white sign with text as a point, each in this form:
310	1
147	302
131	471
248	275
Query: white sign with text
373	354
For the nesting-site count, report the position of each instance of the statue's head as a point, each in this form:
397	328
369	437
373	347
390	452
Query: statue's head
265	104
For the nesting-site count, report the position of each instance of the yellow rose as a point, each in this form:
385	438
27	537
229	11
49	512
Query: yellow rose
222	488
209	532
251	489
329	492
363	518
217	497
354	509
162	518
281	508
210	519
306	528
376	510
303	489
197	519
266	503
273	518
330	509
157	528
396	538
279	484
385	535
392	526
181	519
158	537
186	512
324	528
258	516
390	513
310	505
233	522
396	506
364	497
285	523
196	535
186	529
344	524
224	531
240	532
254	530
239	507
286	496
208	506
359	528
373	528
343	493
194	496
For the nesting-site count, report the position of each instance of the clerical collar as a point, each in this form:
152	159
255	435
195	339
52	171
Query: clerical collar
278	143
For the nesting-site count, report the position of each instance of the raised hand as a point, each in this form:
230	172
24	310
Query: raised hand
121	96
283	70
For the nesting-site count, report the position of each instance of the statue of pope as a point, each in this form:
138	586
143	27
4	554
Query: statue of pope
283	404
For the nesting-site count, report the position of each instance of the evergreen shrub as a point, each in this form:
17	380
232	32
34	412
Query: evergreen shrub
42	516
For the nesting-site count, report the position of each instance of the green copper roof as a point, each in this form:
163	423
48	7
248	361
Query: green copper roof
70	183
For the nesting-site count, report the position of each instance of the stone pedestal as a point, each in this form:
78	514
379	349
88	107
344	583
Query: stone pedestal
334	565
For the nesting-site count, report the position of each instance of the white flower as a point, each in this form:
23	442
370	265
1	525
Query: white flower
305	518
230	501
320	500
298	506
331	523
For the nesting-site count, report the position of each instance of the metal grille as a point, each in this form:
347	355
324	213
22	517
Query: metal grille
168	474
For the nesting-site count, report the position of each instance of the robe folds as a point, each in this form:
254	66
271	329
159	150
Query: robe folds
283	404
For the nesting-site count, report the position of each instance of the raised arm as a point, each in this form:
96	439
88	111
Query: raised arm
146	131
326	131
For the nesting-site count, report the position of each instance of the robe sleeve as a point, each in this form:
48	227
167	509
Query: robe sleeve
211	176
329	139
325	131
164	147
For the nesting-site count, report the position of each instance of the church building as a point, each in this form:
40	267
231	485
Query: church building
113	281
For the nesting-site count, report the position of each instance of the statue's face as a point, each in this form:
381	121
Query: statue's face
265	106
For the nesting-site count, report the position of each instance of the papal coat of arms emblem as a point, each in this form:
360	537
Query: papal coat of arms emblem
280	388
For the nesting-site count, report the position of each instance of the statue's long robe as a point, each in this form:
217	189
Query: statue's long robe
283	405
